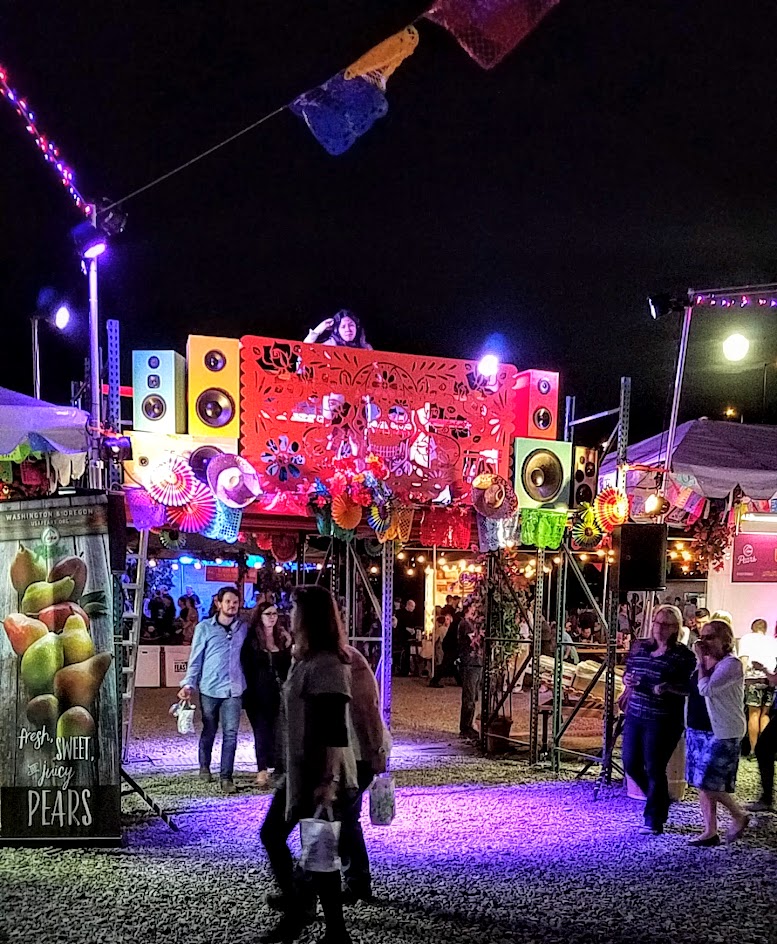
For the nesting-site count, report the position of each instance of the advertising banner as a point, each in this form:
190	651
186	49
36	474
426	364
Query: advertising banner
59	695
754	558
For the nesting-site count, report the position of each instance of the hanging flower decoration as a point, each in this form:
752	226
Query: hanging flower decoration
353	484
611	508
171	481
711	538
284	547
283	458
586	533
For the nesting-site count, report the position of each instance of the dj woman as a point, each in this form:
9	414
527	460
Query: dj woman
344	330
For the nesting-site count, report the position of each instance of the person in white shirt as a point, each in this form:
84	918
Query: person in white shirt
720	682
757	647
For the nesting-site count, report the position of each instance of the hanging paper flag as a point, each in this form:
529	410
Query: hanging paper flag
340	111
385	58
489	29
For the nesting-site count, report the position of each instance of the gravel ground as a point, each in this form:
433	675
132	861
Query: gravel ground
481	851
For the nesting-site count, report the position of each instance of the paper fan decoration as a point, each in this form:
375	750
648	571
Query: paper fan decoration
586	533
611	508
346	513
171	481
284	547
197	513
172	540
379	517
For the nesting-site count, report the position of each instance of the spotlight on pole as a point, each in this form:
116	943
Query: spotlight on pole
62	317
89	242
488	365
53	311
735	347
664	304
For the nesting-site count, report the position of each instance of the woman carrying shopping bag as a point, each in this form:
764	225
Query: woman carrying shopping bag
316	762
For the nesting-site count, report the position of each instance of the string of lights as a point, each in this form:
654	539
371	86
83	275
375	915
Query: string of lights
49	150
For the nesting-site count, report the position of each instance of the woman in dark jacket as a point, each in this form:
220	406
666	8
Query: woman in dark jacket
266	658
316	757
657	681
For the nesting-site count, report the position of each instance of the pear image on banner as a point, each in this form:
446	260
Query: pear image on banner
59	694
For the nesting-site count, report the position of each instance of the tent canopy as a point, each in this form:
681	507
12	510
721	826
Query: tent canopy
40	426
719	455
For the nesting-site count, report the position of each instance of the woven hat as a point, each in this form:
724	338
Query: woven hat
234	481
493	496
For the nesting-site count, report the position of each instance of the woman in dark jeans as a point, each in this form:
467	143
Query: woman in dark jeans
317	762
266	658
657	680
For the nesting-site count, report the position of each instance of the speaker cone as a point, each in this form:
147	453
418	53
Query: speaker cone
154	407
544	386
215	361
543	418
542	476
200	458
584	493
215	408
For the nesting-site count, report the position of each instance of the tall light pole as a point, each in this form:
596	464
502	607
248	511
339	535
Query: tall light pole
92	244
59	317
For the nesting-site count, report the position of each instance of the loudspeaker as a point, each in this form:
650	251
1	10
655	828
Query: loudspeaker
536	404
542	473
214	386
585	473
640	556
117	532
159	391
148	447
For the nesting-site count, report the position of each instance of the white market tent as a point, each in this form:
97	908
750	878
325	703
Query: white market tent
41	427
711	457
34	427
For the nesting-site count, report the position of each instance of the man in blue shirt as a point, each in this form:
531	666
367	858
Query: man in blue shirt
215	670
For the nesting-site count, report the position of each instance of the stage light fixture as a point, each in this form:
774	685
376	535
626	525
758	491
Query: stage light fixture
664	304
116	448
89	242
656	505
488	365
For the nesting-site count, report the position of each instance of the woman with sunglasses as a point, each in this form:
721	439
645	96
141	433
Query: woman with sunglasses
657	680
716	726
266	657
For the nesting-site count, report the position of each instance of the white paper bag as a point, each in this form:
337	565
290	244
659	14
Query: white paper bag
320	840
184	713
383	805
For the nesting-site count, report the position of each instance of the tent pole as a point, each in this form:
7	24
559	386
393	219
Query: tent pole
678	389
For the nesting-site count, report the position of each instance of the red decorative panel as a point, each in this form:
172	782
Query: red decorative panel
435	421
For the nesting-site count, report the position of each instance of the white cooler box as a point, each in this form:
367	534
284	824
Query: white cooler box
148	673
176	662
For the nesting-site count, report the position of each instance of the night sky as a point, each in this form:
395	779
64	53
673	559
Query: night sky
623	148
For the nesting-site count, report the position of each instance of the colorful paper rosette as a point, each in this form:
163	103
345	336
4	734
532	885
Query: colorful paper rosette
586	533
379	517
284	548
172	539
611	508
171	481
346	513
197	513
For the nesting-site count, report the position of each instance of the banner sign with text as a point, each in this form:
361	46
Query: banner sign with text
754	558
59	697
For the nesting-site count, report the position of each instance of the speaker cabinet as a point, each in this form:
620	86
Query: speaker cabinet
214	386
158	391
117	532
536	404
585	473
640	556
148	447
542	473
